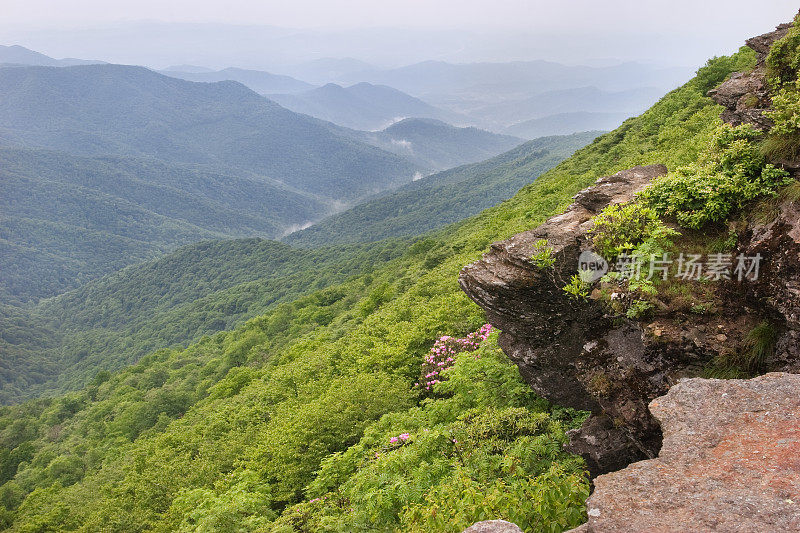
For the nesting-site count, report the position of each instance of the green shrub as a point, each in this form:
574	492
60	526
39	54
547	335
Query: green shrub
729	174
783	64
621	228
783	60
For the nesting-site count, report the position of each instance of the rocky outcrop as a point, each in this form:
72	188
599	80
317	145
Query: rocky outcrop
573	352
745	95
580	354
542	329
728	463
493	526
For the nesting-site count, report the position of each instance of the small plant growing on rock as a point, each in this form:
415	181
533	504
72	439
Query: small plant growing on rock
542	255
577	288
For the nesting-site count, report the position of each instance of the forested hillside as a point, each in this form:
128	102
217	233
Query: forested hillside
332	412
67	219
200	289
103	166
445	197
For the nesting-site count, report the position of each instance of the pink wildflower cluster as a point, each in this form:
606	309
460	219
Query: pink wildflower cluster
402	437
443	352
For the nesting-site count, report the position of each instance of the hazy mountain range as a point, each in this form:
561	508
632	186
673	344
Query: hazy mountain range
492	96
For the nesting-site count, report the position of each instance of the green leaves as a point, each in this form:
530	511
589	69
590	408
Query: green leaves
620	228
730	173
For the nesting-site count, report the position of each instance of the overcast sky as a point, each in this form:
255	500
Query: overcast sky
674	31
659	15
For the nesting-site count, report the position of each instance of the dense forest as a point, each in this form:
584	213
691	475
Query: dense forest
324	413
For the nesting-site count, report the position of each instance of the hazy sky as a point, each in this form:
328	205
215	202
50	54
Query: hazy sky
659	15
679	32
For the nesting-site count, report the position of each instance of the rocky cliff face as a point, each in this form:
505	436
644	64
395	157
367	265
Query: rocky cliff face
745	95
581	354
729	463
571	352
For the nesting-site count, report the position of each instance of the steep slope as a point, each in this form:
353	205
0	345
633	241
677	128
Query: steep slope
362	106
306	418
257	80
131	111
70	219
435	145
443	198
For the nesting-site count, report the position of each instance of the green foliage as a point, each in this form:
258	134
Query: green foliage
238	503
485	447
783	64
731	173
577	288
621	228
718	68
198	290
638	309
783	60
542	255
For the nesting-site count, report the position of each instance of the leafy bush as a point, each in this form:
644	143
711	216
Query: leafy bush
730	173
783	63
783	60
620	228
717	69
443	353
485	447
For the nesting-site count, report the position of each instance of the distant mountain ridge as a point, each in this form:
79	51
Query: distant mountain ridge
19	55
108	165
118	110
436	145
516	78
566	123
362	106
259	81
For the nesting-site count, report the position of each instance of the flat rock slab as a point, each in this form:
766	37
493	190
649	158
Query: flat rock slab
730	462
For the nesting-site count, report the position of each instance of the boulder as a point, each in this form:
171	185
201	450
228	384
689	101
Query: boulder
729	463
493	526
571	352
777	241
